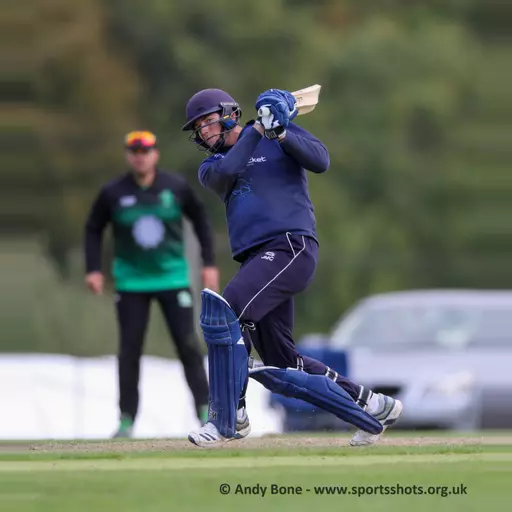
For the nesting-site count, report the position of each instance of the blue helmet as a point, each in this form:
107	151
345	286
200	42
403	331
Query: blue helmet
207	102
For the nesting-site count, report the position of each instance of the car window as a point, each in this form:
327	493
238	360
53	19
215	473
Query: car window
418	325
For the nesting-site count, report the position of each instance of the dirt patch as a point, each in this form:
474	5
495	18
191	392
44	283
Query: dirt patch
259	443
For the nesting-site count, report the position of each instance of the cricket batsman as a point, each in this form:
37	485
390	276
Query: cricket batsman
259	171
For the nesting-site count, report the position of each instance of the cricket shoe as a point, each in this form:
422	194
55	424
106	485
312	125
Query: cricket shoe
387	413
125	429
208	435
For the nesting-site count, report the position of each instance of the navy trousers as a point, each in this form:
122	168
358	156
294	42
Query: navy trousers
262	293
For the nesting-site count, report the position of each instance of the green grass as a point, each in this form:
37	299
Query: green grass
105	479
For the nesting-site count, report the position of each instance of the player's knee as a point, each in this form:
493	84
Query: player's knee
281	360
190	352
187	343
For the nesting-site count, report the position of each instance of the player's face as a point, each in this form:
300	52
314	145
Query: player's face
209	128
142	160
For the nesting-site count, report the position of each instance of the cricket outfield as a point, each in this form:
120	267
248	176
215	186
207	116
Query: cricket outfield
444	472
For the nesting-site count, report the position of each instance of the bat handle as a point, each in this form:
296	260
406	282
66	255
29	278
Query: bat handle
263	111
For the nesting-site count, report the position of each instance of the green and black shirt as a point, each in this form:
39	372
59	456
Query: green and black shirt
149	253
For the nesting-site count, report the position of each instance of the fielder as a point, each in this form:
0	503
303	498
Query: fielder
146	207
259	172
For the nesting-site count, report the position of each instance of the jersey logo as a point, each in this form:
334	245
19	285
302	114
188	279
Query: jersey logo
148	232
166	198
269	256
185	299
127	201
242	187
257	160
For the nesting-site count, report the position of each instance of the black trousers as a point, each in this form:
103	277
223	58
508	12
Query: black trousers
133	318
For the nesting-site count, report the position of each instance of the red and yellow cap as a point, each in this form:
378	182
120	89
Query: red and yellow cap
140	139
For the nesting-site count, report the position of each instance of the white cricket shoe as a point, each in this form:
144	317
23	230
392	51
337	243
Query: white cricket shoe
389	410
209	436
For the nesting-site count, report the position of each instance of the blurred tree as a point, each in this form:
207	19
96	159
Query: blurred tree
399	91
414	110
80	103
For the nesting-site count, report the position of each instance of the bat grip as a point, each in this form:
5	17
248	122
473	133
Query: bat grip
263	111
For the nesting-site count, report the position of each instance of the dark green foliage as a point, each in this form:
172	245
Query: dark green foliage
414	110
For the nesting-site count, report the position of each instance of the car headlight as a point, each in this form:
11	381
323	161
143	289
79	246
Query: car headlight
452	385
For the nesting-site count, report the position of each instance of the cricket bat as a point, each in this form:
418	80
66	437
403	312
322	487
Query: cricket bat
306	101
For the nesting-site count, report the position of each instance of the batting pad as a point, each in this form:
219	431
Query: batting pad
317	390
227	360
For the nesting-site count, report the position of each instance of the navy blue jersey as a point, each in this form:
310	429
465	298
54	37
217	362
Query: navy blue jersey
264	186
